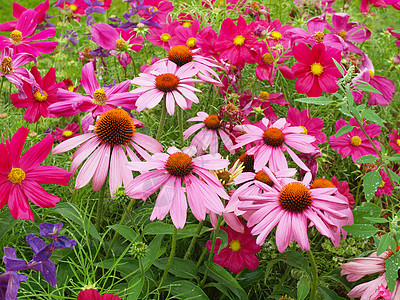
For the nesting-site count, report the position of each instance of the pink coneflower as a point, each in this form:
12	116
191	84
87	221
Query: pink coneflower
169	81
315	70
98	99
395	140
311	126
105	148
20	41
355	143
170	171
292	206
36	101
239	253
272	140
186	35
63	134
385	187
21	177
162	36
237	43
208	136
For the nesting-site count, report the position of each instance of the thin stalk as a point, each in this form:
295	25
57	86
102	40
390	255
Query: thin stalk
141	266
162	119
203	254
128	212
193	241
171	256
180	121
1	86
100	207
314	272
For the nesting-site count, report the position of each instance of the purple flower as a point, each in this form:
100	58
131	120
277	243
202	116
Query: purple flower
94	7
10	280
52	231
71	37
59	2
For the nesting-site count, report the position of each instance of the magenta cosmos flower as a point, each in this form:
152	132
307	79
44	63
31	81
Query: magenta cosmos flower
264	100
386	186
169	81
292	206
20	41
98	99
395	34
157	10
239	253
395	140
175	172
78	7
237	43
63	134
36	101
364	6
113	136
21	177
92	294
208	136
363	266
315	69
186	35
162	36
355	143
272	140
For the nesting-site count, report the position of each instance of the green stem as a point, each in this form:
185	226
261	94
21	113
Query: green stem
141	266
314	272
193	242
203	254
100	207
171	256
1	87
162	119
128	212
180	121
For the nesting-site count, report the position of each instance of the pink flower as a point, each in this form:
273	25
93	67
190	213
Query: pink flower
186	36
311	126
364	6
237	43
162	36
158	10
169	81
92	294
98	99
264	101
395	140
21	177
36	101
171	171
343	188
20	41
383	293
239	253
113	136
315	70
208	136
78	7
276	34
355	143
396	35
272	140
207	40
385	187
292	206
70	131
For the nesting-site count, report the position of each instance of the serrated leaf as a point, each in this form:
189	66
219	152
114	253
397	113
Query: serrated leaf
371	181
339	67
303	288
297	260
368	88
345	129
395	158
392	267
385	242
366	209
315	100
372	116
367	159
361	230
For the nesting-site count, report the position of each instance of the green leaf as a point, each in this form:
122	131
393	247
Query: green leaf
339	67
303	288
376	220
350	102
395	158
153	252
6	222
315	100
367	159
180	268
392	267
394	176
396	31
297	260
223	236
345	111
371	181
384	243
125	265
345	129
328	294
366	209
368	88
156	228
371	116
183	289
125	231
135	287
361	230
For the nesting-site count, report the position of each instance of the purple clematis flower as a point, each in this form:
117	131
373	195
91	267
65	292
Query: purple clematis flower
94	7
52	231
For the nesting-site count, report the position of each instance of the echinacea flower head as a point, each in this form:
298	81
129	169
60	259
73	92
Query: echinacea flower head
180	176
21	177
105	148
62	134
169	81
315	69
272	140
355	143
239	253
92	294
292	206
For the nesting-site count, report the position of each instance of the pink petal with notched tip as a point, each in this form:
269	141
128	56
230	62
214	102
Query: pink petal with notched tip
178	209
142	186
18	204
72	143
38	195
99	177
27	22
35	155
49	174
89	81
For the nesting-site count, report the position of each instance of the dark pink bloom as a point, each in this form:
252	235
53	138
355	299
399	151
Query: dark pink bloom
62	134
276	33
207	41
240	252
36	101
396	35
162	36
92	294
355	143
237	43
21	177
364	6
159	9
264	100
186	36
78	7
21	38
311	126
343	188
395	140
386	186
315	70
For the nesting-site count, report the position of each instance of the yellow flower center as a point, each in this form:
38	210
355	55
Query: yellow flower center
71	88
276	35
342	34
165	37
235	245
398	142
6	66
67	133
187	24
304	130
317	69
99	97
39	97
239	40
382	185
319	36
73	7
371	73
267	58
120	44
16	37
16	175
264	96
191	42
356	141
152	9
